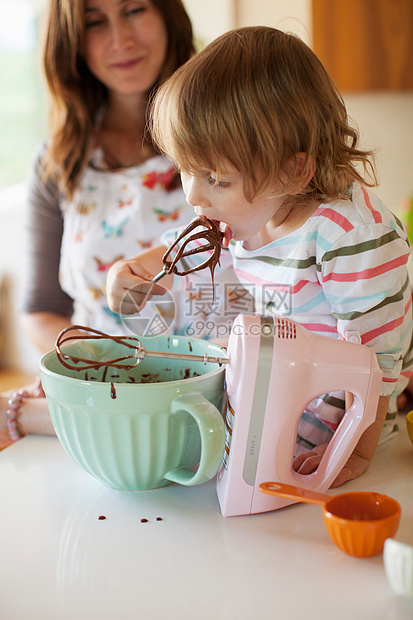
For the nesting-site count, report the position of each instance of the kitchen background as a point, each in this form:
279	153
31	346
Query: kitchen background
367	45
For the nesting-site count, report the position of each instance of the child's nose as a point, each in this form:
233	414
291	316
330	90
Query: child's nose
194	194
194	201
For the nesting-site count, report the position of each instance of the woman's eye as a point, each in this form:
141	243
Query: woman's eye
134	8
129	12
94	23
93	18
135	11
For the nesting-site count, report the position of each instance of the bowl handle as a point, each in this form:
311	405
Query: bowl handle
212	433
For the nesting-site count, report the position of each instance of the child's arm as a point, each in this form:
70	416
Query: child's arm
129	286
360	459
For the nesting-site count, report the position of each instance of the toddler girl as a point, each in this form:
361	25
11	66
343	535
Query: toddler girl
265	149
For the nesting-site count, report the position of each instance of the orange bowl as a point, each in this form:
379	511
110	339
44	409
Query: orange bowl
359	523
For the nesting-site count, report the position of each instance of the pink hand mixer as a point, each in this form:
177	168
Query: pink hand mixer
276	367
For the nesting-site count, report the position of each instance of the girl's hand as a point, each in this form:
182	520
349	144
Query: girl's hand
360	458
308	462
129	286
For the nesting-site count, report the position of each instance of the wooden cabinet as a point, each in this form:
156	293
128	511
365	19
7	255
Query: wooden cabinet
365	45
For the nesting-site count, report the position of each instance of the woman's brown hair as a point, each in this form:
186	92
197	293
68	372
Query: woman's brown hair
257	97
77	96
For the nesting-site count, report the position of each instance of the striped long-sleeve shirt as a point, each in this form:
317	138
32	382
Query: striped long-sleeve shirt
342	274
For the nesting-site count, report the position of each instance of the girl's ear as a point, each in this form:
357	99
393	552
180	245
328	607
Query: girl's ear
301	167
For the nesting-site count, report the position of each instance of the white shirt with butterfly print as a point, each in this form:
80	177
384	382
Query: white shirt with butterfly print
115	215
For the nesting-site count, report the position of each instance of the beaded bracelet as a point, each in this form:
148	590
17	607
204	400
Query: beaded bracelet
12	411
14	405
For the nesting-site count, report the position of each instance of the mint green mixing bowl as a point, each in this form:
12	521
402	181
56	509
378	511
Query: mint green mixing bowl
145	427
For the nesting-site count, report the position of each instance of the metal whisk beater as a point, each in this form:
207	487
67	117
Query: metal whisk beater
211	234
139	352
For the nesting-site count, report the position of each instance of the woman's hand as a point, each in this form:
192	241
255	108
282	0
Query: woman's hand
33	415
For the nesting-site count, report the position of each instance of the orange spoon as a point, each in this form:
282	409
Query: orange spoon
358	523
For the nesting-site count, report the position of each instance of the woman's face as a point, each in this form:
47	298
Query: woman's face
125	44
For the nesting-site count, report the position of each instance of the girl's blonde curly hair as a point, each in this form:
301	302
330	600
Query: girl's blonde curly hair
257	97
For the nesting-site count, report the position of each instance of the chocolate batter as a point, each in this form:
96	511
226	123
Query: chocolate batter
210	233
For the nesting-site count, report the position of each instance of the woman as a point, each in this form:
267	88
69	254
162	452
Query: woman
99	191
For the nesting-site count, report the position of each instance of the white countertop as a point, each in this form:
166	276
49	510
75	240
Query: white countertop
59	561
